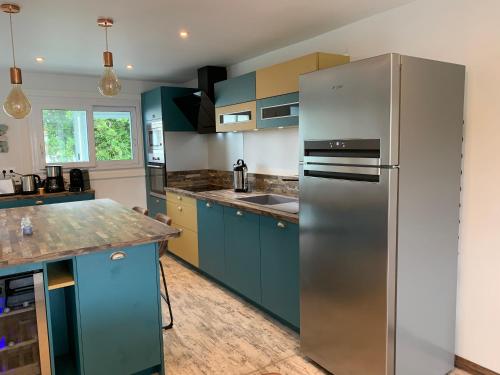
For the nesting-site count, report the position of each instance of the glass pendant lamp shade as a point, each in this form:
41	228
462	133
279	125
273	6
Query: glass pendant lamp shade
108	85
17	104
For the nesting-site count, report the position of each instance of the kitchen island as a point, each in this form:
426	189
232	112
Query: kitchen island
97	262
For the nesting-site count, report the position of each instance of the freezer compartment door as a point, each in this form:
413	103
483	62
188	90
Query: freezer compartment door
347	252
359	100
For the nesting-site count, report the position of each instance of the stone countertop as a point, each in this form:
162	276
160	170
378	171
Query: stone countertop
75	228
5	198
228	197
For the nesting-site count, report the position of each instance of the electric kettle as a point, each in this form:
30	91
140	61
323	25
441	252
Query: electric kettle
30	183
240	179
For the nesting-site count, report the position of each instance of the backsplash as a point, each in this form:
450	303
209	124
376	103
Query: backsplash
287	185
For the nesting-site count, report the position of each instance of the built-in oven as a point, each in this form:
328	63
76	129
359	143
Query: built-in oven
155	142
156	174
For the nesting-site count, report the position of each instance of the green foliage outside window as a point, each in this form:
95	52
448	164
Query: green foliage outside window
112	138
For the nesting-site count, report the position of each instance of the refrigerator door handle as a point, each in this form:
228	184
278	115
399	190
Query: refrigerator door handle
309	169
342	160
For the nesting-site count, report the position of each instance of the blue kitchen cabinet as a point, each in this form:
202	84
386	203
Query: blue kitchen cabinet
235	90
242	252
278	111
211	239
279	242
156	205
119	310
158	104
45	199
151	105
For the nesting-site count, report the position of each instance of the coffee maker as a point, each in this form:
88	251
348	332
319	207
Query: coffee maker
55	181
240	178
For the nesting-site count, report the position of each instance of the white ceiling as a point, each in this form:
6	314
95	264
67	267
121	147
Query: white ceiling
222	32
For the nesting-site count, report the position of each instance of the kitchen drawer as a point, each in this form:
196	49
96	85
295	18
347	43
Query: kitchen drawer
235	90
179	198
278	111
236	117
283	78
183	214
186	245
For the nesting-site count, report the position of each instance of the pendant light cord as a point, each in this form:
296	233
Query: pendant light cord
12	40
106	28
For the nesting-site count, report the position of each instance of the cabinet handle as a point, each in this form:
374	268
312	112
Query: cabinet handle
157	201
39	202
118	255
208	205
179	197
281	224
179	208
239	213
180	231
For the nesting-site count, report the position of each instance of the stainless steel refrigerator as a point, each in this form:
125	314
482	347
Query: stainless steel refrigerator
381	143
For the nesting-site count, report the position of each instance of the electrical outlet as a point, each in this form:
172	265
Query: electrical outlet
7	172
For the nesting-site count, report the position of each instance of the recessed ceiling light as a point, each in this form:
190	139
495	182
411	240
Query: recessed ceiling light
280	127
256	130
129	67
183	34
39	59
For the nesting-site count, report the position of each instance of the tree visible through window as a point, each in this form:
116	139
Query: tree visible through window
65	135
113	136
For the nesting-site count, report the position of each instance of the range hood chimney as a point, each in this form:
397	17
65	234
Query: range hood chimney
198	107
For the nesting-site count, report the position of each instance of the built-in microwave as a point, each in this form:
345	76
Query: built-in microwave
155	142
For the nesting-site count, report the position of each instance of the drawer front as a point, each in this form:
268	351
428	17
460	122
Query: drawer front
38	201
236	117
179	198
235	90
183	214
155	206
185	246
278	111
118	306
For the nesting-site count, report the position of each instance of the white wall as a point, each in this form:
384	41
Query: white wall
465	32
270	151
132	189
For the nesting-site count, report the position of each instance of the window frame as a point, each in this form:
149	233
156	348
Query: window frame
89	105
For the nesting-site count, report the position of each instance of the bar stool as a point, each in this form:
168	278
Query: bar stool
162	218
141	210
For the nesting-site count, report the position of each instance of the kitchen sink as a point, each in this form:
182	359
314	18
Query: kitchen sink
277	202
268	199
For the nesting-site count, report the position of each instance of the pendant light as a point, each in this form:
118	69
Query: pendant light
16	104
109	85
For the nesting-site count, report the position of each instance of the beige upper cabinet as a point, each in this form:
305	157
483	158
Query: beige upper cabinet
283	78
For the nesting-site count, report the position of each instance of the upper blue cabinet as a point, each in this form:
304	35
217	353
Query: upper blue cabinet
158	104
278	111
235	90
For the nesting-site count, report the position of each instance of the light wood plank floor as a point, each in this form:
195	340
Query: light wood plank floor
216	333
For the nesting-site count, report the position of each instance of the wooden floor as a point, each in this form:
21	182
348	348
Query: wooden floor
217	333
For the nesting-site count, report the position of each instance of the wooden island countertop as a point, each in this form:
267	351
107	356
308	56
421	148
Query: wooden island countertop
75	228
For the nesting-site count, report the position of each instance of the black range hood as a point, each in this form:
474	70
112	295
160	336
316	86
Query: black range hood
198	107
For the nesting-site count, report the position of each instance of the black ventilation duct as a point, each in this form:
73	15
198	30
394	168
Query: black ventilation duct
198	107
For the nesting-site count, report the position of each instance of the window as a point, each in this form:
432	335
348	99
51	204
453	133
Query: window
65	136
113	136
77	135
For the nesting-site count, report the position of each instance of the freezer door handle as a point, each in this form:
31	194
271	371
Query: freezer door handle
342	172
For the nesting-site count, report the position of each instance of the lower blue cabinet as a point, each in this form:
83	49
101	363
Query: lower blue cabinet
119	314
211	239
279	241
242	252
45	199
156	205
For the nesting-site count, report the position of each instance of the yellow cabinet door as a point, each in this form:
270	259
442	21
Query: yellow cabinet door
185	246
283	78
180	199
182	214
236	117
